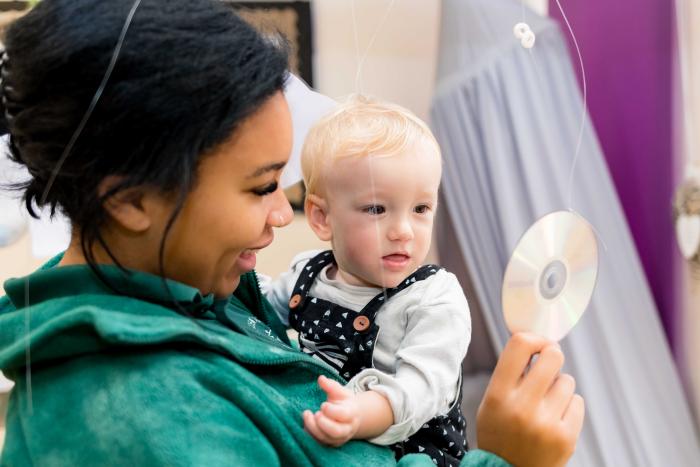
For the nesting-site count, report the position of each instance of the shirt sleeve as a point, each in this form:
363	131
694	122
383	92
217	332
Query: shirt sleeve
278	291
428	361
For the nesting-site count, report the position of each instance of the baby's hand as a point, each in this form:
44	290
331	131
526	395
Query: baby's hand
339	418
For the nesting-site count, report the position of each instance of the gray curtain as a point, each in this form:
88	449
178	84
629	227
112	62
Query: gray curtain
508	120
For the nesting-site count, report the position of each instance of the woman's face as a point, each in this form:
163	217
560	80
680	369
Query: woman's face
230	213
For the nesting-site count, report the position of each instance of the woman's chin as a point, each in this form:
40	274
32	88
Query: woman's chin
228	284
227	289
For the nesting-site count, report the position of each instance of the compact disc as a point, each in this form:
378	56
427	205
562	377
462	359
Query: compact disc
551	275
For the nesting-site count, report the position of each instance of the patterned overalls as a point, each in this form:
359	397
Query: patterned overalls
345	340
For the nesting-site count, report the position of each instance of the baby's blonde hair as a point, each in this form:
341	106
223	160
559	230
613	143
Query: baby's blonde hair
361	126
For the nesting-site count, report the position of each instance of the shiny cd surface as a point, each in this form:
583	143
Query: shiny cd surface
551	275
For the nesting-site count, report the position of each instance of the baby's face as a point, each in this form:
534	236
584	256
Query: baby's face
381	212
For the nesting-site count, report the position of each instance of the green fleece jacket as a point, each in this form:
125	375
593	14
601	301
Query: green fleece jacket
156	374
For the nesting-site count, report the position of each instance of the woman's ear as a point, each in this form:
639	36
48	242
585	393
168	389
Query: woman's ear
316	210
127	207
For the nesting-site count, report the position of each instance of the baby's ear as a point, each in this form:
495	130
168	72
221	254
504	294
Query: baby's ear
316	210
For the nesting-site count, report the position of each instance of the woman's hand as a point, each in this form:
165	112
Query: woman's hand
339	418
533	418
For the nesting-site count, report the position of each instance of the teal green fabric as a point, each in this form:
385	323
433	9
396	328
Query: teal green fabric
151	372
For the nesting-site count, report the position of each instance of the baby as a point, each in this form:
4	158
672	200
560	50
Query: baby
397	331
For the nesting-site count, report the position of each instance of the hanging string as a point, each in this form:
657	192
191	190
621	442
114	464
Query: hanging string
357	46
584	110
579	141
361	61
52	179
358	90
692	167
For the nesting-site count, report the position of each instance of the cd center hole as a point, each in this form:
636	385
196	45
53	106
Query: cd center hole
553	280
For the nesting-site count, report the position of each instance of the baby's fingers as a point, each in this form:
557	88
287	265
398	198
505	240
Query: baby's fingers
312	428
337	433
339	412
333	389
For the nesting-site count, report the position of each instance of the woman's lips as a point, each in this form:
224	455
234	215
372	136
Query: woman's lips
396	262
246	260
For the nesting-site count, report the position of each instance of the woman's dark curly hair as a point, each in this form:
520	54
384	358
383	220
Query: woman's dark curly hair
188	73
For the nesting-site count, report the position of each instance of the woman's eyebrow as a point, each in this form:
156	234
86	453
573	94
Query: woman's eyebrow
267	168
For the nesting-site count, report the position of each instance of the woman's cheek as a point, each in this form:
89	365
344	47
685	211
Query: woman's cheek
252	219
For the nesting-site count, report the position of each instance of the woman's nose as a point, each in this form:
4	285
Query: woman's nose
282	213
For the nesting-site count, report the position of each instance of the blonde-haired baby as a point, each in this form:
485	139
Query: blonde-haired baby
397	331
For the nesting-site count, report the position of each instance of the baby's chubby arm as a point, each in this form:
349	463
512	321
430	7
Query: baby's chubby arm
346	415
426	373
392	406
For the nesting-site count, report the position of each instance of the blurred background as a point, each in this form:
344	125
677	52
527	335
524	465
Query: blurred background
509	121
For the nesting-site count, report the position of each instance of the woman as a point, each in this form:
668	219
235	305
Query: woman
148	341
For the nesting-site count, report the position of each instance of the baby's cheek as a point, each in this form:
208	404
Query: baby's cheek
368	242
354	234
357	251
362	253
422	232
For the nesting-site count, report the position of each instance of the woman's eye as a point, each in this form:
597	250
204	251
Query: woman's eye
374	210
266	190
422	208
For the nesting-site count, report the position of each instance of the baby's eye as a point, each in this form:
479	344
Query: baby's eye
374	210
422	208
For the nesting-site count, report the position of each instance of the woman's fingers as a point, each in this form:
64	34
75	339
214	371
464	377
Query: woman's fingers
574	416
543	372
559	396
516	356
530	417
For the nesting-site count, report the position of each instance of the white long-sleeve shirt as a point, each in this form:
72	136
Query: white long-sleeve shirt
424	333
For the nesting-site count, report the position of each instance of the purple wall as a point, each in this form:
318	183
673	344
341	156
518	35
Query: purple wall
627	48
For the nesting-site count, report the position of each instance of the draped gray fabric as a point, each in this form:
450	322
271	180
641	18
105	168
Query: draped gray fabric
508	120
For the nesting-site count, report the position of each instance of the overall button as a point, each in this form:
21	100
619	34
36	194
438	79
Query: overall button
361	323
295	301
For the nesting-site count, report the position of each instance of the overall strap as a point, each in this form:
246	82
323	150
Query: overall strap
306	279
370	310
313	267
